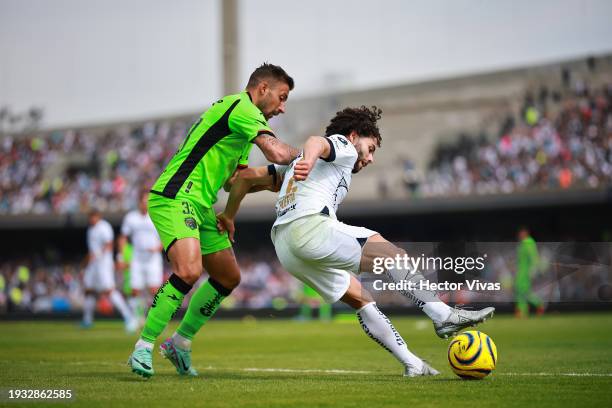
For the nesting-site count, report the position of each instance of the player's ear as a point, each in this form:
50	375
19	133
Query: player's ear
263	87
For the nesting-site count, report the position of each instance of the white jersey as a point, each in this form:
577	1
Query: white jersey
323	190
141	231
98	236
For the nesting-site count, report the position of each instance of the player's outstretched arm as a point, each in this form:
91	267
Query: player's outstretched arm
275	150
252	178
315	147
227	187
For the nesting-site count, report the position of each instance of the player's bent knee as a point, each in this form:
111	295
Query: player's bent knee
189	272
229	280
233	281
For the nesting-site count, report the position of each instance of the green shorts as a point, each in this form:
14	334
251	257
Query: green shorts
181	218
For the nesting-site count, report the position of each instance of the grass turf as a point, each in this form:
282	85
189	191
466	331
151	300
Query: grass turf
549	361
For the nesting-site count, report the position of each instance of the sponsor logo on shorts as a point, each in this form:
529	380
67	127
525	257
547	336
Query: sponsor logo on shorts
191	223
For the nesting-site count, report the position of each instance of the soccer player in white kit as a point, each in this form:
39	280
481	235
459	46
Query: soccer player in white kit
325	253
99	277
146	266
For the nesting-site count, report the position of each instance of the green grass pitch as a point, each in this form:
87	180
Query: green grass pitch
556	360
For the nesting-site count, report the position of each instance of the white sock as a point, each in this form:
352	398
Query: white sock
120	304
180	341
141	343
437	311
379	328
135	303
427	300
89	306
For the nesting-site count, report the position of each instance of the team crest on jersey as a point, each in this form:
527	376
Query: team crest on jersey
191	223
343	141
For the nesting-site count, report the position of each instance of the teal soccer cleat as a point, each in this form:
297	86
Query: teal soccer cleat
181	359
141	362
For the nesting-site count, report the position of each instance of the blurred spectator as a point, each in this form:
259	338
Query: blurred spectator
410	176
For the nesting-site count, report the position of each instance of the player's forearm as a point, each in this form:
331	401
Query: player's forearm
289	154
275	150
283	153
239	190
230	181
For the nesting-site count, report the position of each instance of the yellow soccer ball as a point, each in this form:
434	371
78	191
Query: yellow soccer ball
472	355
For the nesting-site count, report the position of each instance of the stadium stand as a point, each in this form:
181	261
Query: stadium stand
571	148
540	130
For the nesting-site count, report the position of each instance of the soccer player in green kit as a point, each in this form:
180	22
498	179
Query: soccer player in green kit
527	263
181	207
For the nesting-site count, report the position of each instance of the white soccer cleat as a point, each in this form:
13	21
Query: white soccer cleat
460	319
424	371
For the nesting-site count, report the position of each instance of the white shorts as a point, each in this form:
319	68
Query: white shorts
146	270
321	251
100	275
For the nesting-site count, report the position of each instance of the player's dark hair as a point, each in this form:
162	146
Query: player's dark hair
361	120
267	71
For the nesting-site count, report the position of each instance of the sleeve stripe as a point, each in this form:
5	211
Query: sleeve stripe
266	132
332	151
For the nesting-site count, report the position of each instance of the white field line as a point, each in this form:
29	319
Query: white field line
291	370
306	371
557	374
334	371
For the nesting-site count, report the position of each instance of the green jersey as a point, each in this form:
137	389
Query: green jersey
218	143
527	259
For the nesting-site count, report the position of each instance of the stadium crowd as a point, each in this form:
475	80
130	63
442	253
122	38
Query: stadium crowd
105	171
42	286
555	143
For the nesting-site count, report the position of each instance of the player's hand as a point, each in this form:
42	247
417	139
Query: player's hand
302	170
224	223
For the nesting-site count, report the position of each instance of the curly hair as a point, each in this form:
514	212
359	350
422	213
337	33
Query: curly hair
361	120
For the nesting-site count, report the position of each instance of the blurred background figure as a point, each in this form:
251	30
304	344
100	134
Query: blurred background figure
99	276
311	301
527	266
144	260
